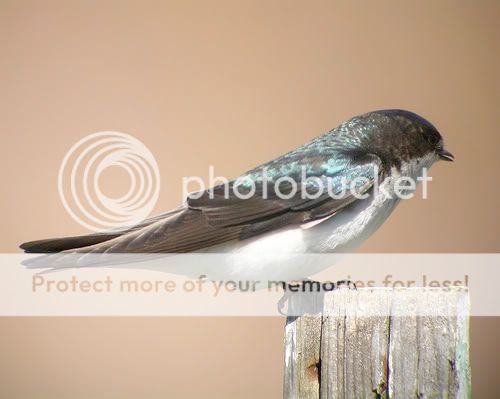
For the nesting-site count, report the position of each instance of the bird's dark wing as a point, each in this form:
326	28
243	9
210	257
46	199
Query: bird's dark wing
212	218
278	187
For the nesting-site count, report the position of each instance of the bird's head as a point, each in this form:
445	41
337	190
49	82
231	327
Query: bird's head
397	137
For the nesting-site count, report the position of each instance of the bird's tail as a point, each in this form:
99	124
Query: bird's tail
52	245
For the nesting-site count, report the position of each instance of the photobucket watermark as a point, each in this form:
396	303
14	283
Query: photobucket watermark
306	187
80	190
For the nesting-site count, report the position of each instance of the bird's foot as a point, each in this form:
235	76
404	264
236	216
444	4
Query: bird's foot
309	286
288	290
345	283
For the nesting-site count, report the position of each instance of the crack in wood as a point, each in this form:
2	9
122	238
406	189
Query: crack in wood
347	352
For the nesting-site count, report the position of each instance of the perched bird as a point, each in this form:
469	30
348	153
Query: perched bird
254	214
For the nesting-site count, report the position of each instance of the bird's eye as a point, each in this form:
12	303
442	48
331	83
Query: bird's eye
433	138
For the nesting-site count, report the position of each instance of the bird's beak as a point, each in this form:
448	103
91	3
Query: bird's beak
446	155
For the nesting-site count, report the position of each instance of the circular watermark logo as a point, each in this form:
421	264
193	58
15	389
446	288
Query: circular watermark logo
80	173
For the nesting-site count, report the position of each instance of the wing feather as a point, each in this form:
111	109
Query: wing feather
212	219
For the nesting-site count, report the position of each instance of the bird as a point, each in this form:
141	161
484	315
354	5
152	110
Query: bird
254	215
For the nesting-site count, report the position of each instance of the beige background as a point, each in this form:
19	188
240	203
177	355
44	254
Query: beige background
231	84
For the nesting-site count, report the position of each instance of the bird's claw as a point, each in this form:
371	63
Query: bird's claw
345	283
287	294
291	288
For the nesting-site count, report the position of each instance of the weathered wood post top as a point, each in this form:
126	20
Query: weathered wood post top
380	343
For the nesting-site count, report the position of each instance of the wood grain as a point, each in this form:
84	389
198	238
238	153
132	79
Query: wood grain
379	343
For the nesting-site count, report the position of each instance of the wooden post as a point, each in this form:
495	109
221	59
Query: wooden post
380	343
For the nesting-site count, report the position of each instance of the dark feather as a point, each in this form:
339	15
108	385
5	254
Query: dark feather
206	222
